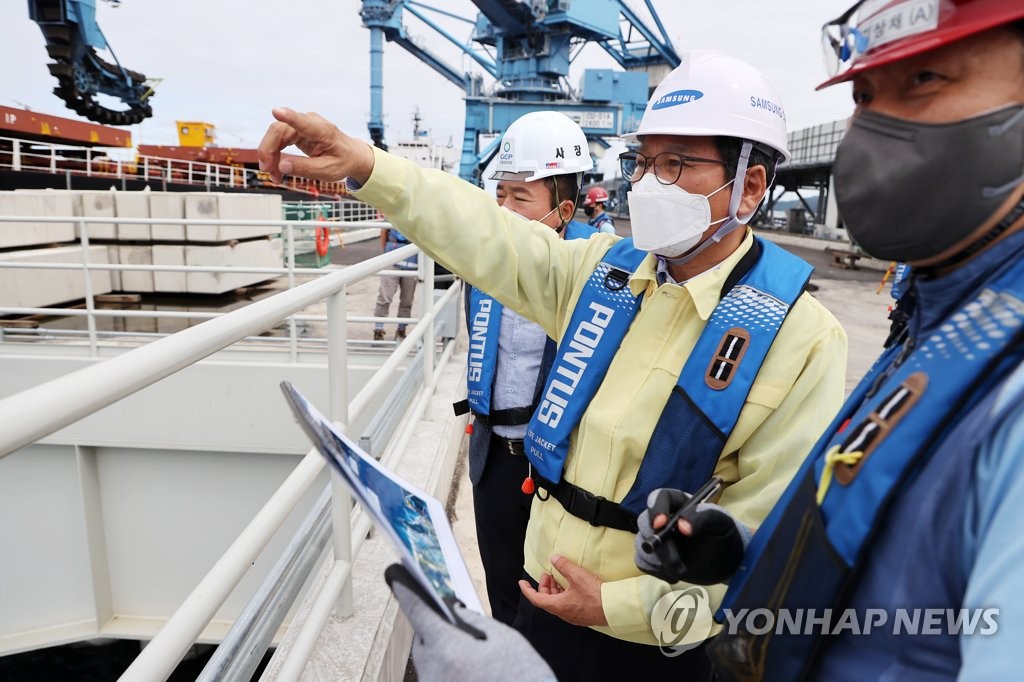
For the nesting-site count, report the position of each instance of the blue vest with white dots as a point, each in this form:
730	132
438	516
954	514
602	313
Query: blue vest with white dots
713	385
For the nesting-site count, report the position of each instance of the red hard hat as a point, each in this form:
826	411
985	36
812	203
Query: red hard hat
594	195
874	33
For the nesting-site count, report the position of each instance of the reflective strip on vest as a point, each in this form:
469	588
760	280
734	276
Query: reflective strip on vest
714	382
484	327
717	377
803	553
484	323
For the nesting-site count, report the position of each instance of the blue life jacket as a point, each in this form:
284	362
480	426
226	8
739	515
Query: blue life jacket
814	544
484	319
900	280
710	393
600	220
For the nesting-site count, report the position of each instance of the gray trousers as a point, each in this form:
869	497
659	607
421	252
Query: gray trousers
386	293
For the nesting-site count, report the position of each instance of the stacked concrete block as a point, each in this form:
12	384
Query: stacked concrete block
36	204
24	288
132	205
223	206
167	206
137	281
96	205
169	254
114	256
145	243
261	253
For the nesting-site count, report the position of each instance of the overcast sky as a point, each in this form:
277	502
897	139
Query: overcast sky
229	62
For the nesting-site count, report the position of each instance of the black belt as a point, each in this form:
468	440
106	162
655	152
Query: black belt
594	509
514	416
513	446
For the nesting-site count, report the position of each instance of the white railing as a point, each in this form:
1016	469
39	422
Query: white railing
42	410
290	229
61	159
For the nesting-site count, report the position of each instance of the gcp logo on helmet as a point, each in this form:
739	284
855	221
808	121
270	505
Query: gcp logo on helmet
681	620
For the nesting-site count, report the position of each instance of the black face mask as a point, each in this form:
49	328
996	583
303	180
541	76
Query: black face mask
909	191
588	210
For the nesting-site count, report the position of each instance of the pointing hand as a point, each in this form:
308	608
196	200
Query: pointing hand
330	154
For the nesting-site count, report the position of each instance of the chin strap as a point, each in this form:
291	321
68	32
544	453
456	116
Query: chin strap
734	205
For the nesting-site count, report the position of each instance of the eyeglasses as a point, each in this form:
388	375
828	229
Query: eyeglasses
668	166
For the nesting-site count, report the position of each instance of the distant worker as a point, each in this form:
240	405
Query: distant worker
690	350
506	351
593	207
391	239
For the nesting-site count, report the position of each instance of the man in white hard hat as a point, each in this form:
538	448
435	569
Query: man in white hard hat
693	353
506	351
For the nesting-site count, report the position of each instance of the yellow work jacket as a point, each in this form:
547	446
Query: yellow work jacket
529	269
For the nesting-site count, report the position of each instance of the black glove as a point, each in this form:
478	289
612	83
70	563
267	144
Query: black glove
477	648
707	557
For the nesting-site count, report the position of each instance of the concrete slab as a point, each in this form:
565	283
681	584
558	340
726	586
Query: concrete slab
214	205
35	204
167	206
169	254
135	280
256	253
132	205
113	256
96	205
45	288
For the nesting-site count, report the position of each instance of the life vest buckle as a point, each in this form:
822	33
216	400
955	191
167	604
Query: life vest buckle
616	279
585	505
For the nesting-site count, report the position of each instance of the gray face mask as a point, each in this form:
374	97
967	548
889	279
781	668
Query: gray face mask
909	191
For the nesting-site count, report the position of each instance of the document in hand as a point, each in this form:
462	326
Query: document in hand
412	520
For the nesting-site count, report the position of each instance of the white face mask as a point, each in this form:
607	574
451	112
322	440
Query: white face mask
524	218
667	220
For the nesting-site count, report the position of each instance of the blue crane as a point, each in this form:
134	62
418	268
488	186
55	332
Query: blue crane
526	47
72	39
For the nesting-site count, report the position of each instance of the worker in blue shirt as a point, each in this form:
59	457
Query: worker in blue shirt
593	207
900	537
405	287
507	351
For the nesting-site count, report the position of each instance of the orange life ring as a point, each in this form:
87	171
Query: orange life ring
323	240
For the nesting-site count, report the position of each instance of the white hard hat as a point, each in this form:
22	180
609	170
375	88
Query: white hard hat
541	144
711	93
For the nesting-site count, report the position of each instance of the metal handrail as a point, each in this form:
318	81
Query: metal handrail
39	411
91	311
42	410
170	645
46	157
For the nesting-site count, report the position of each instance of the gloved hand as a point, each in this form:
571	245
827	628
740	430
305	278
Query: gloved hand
481	649
709	555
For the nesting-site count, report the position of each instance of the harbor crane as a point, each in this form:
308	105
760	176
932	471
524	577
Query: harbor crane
525	48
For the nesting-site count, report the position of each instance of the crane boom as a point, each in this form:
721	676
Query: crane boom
526	48
72	39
